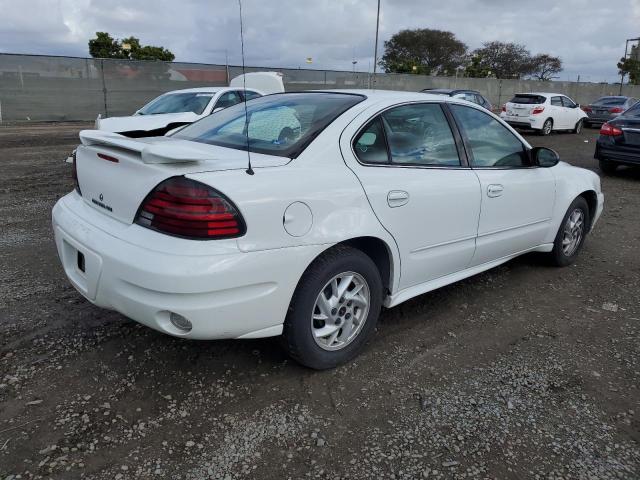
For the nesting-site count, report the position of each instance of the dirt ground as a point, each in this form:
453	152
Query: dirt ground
526	371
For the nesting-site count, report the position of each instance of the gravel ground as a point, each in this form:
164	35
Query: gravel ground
525	371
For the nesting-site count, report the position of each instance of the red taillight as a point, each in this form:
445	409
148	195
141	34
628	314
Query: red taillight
616	110
190	209
74	173
108	158
537	110
504	108
610	131
586	109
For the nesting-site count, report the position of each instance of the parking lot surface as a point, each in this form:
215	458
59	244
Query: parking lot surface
525	371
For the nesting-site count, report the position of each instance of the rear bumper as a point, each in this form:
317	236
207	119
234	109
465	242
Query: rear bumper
618	155
534	122
223	294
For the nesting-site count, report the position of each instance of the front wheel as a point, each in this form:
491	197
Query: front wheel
334	309
578	127
547	127
572	233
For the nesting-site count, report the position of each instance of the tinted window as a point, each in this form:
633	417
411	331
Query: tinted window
250	95
468	96
567	102
281	124
370	145
228	100
492	145
419	134
556	101
528	99
177	103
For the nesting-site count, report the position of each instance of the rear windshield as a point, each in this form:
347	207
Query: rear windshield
281	124
610	101
528	99
177	103
633	111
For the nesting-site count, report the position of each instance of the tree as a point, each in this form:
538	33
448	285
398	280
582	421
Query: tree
545	67
504	60
476	68
424	51
631	66
105	46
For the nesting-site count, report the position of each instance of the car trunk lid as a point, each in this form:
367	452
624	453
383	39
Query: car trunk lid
116	173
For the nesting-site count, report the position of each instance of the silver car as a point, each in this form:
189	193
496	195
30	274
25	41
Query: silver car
607	108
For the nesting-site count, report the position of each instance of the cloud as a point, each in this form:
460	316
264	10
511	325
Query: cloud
589	35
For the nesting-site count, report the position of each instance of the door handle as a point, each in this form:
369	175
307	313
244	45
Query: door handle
494	190
397	198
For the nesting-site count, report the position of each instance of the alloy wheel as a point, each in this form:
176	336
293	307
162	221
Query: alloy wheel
340	311
573	232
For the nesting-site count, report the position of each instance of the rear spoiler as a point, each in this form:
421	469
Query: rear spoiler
162	150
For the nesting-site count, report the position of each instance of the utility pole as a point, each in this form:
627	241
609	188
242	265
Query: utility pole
375	52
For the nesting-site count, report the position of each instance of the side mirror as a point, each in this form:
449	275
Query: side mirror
544	157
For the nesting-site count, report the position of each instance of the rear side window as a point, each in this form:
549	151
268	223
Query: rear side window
492	145
556	101
416	134
250	95
529	99
228	99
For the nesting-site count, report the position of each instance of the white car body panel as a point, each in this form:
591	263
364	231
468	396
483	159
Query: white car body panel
564	118
294	210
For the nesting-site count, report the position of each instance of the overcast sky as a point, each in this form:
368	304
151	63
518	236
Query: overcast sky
589	35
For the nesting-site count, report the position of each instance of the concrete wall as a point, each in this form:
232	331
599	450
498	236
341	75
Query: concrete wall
42	88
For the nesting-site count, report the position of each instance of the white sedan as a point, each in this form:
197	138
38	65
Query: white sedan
354	200
177	108
544	112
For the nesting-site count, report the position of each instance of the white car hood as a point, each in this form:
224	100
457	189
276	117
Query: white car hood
143	122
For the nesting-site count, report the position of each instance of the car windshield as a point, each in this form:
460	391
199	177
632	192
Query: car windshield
194	102
281	124
610	101
528	99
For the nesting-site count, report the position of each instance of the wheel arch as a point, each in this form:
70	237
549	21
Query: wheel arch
592	202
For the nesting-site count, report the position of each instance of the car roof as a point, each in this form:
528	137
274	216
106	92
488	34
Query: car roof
205	90
543	94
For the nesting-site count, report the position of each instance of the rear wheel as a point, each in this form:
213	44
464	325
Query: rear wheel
578	127
608	167
334	310
572	233
547	127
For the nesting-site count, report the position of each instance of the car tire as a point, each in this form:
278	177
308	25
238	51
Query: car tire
588	124
572	233
304	325
608	167
578	127
547	127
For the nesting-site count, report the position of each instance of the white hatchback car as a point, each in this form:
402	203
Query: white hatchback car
544	112
353	200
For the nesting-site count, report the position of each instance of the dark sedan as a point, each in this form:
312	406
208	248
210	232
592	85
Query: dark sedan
469	95
607	108
619	141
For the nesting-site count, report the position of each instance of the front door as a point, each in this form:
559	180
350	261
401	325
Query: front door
409	165
517	198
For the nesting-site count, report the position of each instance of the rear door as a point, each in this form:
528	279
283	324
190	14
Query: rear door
420	188
517	198
573	113
558	113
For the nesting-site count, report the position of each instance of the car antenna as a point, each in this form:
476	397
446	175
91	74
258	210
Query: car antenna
249	170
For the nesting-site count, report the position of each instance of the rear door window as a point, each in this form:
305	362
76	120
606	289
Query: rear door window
248	94
228	99
567	102
491	144
556	101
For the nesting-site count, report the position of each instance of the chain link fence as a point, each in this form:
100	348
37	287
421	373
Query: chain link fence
46	88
